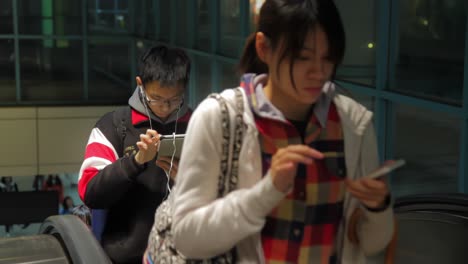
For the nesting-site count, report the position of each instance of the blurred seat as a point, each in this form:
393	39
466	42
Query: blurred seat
430	229
27	207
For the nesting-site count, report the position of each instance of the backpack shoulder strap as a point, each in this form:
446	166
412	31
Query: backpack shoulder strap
119	119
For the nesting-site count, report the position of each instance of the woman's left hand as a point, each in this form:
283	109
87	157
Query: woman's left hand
165	164
370	192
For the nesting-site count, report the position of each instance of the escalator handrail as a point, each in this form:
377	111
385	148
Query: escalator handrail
76	237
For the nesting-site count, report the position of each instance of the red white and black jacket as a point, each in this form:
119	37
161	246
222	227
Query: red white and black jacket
110	178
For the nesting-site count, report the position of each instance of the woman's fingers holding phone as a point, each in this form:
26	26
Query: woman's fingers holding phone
370	192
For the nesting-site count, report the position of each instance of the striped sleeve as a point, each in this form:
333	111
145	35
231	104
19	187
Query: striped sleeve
99	153
105	177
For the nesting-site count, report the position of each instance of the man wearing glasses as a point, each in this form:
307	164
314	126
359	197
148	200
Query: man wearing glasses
119	173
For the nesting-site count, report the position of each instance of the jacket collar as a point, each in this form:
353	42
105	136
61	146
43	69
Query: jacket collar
260	105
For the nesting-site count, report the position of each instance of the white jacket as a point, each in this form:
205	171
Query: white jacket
204	226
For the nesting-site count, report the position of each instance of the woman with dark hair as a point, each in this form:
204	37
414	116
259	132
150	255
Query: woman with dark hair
305	153
67	205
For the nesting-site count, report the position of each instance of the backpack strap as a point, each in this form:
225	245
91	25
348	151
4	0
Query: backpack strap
118	119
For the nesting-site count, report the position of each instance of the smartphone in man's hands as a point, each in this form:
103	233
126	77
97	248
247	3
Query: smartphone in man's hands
170	145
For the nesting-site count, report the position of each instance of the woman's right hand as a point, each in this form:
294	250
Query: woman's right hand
147	146
284	164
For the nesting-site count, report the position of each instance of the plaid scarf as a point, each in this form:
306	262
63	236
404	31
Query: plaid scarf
303	227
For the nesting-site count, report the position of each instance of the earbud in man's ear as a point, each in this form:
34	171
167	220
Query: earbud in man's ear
142	94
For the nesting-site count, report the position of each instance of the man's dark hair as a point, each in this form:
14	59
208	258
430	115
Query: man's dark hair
168	66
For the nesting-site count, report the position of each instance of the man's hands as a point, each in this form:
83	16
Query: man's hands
165	164
147	146
147	150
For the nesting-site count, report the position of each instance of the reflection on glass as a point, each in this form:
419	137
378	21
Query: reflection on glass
229	77
182	34
51	70
6	17
230	42
107	16
109	70
430	49
202	28
360	28
48	17
429	142
164	21
7	74
203	78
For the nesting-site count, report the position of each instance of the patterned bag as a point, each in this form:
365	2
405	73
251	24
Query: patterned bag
161	247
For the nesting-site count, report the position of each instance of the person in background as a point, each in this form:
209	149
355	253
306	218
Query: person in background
120	179
38	182
53	183
67	205
304	156
8	185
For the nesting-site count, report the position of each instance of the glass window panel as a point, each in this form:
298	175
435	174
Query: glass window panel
142	46
143	9
109	70
229	77
367	101
48	17
429	142
7	72
255	6
182	32
106	4
165	21
429	49
123	4
203	78
6	17
360	28
51	70
203	26
150	28
231	42
104	17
